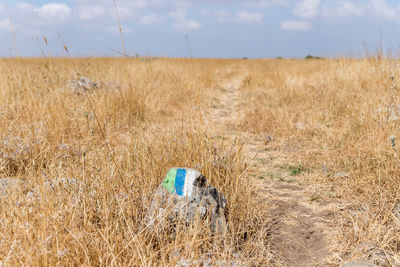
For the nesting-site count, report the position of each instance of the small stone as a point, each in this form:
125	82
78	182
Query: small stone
62	183
378	256
268	139
15	190
62	253
381	257
341	175
325	169
60	187
300	126
83	85
359	264
391	112
63	146
10	185
185	195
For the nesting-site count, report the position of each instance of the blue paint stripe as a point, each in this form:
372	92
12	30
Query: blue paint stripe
180	181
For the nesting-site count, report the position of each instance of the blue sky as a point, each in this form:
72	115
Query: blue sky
219	28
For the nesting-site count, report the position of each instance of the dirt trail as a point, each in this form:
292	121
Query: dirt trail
299	233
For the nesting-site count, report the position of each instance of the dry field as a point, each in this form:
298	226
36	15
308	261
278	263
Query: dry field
306	152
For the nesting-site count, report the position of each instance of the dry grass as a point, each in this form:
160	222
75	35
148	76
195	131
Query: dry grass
120	139
335	116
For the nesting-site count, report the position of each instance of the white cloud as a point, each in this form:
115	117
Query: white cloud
307	8
240	17
381	8
150	19
91	12
53	13
342	9
115	30
124	3
5	25
182	23
295	25
127	9
33	21
247	17
265	3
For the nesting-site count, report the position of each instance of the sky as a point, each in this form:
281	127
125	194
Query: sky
200	28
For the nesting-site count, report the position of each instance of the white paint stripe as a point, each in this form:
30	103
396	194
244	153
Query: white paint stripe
191	175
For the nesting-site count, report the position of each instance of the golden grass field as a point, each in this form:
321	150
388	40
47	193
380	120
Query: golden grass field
328	127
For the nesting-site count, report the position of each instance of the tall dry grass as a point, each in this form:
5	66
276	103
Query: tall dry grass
149	115
337	116
117	141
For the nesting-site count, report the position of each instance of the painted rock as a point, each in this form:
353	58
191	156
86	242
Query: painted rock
185	195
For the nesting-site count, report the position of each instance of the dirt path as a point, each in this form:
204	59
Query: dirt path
299	234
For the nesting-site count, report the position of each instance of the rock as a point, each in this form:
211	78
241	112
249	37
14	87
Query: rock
268	139
186	195
378	256
359	264
68	184
10	185
341	175
300	126
382	257
208	263
83	85
391	112
15	192
59	189
205	261
325	169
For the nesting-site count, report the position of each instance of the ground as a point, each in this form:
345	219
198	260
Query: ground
300	226
305	152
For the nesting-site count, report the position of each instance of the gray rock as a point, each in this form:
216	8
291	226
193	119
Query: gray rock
391	112
68	184
359	264
378	256
83	85
59	189
185	195
382	257
9	186
325	169
15	192
208	263
268	139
